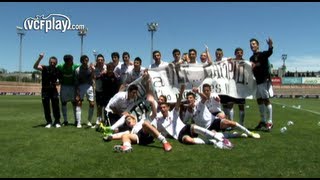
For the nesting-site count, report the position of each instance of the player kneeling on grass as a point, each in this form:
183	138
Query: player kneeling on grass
141	132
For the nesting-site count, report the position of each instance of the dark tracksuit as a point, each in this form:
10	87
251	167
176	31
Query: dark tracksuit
49	93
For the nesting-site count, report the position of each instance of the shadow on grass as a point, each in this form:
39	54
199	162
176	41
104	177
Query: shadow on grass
38	126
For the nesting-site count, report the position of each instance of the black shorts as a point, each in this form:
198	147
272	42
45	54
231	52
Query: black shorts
186	131
100	99
224	99
215	125
239	101
145	138
216	113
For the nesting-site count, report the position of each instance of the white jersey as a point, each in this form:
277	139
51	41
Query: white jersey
120	102
179	62
122	71
162	63
213	105
171	125
116	71
133	75
200	115
137	127
97	73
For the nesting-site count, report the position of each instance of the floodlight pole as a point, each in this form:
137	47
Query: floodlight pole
21	33
81	33
284	57
152	27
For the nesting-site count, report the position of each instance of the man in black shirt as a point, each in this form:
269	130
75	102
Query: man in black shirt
261	72
49	90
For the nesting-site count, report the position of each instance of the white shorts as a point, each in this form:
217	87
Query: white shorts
86	89
264	90
67	93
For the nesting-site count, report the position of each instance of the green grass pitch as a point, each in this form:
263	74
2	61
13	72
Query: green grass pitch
30	150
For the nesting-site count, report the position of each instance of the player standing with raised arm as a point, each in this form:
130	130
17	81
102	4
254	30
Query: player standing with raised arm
261	71
49	90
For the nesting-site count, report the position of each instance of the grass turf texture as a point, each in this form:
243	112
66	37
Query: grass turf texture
30	150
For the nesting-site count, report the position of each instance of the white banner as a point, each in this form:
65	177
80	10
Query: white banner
233	78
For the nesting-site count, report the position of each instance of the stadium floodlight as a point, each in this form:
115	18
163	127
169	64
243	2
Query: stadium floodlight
95	53
284	57
152	27
82	32
20	32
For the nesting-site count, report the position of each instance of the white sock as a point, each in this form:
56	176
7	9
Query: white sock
261	109
241	117
128	144
242	128
162	139
231	114
219	136
198	140
206	133
119	123
78	114
90	113
269	113
98	120
64	113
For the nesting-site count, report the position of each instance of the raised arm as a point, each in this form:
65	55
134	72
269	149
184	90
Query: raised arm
204	98
208	55
36	64
182	88
270	42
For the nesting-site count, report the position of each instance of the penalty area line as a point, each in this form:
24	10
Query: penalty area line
315	112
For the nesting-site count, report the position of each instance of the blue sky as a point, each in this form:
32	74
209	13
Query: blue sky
294	28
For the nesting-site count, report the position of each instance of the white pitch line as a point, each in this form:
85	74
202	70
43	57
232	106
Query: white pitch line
315	112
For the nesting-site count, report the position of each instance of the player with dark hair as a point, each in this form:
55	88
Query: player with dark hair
67	89
49	90
261	71
84	76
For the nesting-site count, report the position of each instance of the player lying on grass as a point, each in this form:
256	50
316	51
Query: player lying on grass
141	132
200	114
169	122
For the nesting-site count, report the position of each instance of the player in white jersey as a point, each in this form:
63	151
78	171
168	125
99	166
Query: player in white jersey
84	75
170	123
141	132
201	115
157	60
123	70
133	74
120	103
213	102
176	57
